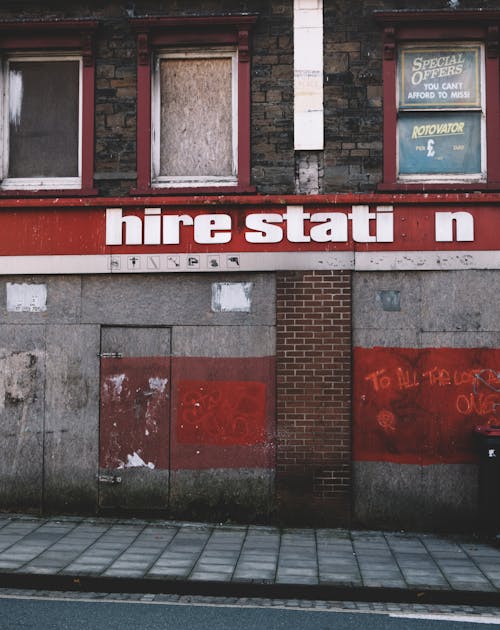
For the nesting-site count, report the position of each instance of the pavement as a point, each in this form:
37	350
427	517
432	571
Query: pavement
150	556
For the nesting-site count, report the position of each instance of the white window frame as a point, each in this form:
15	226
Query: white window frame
439	178
190	181
35	183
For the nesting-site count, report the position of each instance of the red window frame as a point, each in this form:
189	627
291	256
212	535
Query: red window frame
402	27
155	33
75	36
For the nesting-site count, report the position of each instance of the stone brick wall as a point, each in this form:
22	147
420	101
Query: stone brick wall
313	330
273	169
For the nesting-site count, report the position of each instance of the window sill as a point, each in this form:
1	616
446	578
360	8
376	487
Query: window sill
193	190
399	187
44	192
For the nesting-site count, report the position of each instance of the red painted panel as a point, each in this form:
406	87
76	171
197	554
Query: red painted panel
48	227
419	406
134	412
223	413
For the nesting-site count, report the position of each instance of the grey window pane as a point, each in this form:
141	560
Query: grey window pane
196	117
44	115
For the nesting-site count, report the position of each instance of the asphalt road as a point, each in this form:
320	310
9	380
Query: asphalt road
61	614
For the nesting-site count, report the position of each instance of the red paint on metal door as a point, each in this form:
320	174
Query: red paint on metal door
134	412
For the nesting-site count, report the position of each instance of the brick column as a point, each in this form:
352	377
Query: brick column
314	397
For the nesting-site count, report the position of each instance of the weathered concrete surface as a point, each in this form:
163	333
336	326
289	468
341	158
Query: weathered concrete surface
219	341
22	380
50	390
221	494
147	300
439	310
71	418
435	497
431	302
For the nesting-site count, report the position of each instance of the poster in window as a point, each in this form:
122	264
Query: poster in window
439	143
440	77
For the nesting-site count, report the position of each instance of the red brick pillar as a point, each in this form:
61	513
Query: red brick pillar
314	397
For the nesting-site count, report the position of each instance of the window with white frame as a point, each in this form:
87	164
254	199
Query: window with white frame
441	108
195	118
41	122
193	104
47	106
441	127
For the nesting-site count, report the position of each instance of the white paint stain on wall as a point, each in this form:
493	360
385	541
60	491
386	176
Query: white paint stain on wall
15	97
232	297
136	461
26	298
158	384
115	383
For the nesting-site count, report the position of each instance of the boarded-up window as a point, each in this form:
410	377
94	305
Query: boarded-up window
195	119
43	107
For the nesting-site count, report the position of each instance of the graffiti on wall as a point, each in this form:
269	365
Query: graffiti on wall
420	406
221	412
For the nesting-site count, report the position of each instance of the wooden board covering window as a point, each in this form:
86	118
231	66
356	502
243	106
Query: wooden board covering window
196	117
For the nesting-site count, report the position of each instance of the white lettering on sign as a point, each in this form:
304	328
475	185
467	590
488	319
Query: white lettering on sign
446	222
434	67
295	225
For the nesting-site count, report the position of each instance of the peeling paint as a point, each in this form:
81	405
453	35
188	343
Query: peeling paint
15	97
158	384
136	461
116	381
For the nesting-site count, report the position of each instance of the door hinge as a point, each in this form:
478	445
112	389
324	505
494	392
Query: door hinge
113	479
110	355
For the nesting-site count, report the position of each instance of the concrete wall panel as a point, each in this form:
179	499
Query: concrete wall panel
219	495
460	301
218	341
171	300
63	300
434	497
22	379
71	418
418	400
374	326
442	303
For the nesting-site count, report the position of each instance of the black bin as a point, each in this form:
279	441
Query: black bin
488	441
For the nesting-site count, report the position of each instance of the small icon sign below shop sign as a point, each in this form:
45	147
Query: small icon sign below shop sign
492	452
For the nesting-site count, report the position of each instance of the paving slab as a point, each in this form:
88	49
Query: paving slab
169	556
